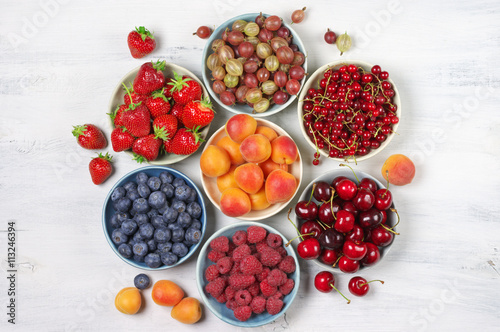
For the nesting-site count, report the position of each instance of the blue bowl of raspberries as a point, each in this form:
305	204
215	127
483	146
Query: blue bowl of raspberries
246	275
154	218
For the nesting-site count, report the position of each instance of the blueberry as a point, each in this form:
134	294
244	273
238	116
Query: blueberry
138	258
180	206
158	221
132	212
129	227
141	177
141	218
169	258
122	216
123	204
173	226
166	177
131	243
142	281
184	219
194	209
193	196
178	182
114	222
170	215
196	224
125	250
182	193
162	234
193	235
143	190
133	195
178	234
152	213
118	237
152	260
118	193
152	245
146	231
180	249
141	205
154	183
164	208
130	186
157	199
137	237
163	248
168	189
140	248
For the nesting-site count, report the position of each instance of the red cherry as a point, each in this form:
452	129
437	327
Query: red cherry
327	212
345	221
329	256
309	249
337	180
370	219
359	286
354	250
383	199
349	207
322	192
310	226
324	281
372	255
306	210
369	184
384	216
381	237
364	199
346	189
347	265
356	234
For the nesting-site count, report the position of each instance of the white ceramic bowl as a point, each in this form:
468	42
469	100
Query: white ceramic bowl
210	184
207	77
119	93
313	80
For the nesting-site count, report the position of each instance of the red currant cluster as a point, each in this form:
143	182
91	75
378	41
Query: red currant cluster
351	113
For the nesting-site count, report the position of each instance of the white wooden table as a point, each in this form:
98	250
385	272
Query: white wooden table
60	61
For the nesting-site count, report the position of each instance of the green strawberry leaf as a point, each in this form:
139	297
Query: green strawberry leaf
79	130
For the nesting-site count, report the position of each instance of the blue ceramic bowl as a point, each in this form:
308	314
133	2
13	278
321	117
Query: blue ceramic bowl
108	211
207	76
219	309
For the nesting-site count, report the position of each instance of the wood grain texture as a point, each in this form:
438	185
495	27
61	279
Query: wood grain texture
60	62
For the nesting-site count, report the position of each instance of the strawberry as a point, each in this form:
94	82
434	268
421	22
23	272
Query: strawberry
89	137
167	145
121	139
141	42
137	120
158	103
150	77
117	115
177	110
148	147
100	168
185	141
166	123
184	89
197	114
131	97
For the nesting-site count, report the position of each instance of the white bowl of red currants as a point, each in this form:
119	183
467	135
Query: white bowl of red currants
349	110
347	221
254	64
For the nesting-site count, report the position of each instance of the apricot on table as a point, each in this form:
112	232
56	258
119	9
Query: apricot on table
398	169
249	177
255	148
214	161
166	293
234	202
128	300
232	148
240	126
188	311
227	180
284	150
280	186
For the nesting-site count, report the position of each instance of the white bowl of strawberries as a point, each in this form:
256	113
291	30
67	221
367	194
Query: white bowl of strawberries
147	111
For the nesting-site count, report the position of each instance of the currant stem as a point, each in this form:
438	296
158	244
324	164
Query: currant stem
348	301
366	283
352	171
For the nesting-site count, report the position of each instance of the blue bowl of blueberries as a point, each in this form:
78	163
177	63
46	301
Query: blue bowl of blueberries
154	218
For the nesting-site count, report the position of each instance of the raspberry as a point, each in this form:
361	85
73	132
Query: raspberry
250	265
253	249
256	234
229	292
263	275
276	277
287	287
211	273
261	246
254	289
266	289
236	268
278	295
240	281
273	305
221	298
220	244
287	265
281	251
224	265
258	304
274	240
243	313
215	255
216	287
243	297
240	252
231	249
270	257
231	304
239	238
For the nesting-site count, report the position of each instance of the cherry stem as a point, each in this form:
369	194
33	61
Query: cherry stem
352	171
312	192
300	235
348	301
389	229
366	283
399	218
337	260
322	224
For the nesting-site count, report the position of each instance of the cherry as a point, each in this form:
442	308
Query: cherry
324	281
309	249
359	286
349	207
346	189
372	255
354	250
331	239
384	216
327	212
337	180
348	265
307	210
370	219
329	256
345	221
383	199
310	226
322	192
356	234
364	199
381	237
368	183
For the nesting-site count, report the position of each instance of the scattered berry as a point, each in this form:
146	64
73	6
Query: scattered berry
100	168
141	42
89	137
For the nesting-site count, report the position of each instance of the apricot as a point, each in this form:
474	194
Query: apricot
233	149
188	311
398	169
240	126
128	300
166	293
214	161
234	202
255	148
284	150
280	186
269	165
227	180
249	177
259	200
270	133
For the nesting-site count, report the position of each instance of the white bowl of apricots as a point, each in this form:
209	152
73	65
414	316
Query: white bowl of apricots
250	168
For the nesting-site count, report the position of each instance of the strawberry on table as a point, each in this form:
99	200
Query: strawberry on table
166	123
89	137
184	89
150	77
121	139
117	115
100	168
141	42
185	141
148	147
158	103
197	114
